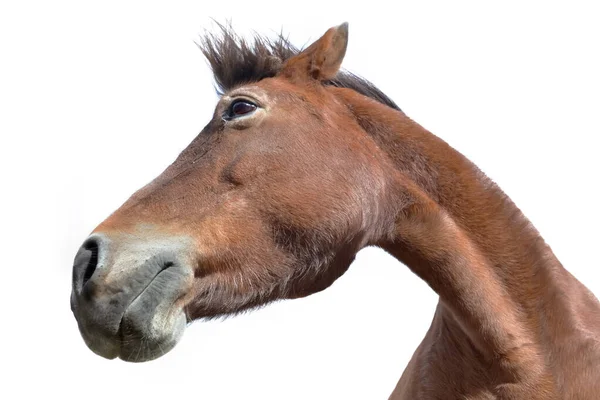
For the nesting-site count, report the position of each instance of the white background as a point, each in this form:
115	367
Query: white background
96	99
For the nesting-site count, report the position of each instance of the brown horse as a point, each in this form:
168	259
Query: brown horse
301	166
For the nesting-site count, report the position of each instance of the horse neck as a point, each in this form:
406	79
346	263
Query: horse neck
461	234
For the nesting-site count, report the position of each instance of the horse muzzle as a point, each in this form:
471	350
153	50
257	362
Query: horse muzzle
128	292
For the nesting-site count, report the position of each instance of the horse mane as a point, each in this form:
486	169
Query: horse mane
236	61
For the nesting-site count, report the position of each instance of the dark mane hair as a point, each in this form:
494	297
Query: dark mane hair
235	61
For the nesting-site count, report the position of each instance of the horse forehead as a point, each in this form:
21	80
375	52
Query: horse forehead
277	88
255	89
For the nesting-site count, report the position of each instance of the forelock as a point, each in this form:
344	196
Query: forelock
236	61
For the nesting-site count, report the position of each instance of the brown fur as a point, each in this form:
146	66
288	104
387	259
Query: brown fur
280	203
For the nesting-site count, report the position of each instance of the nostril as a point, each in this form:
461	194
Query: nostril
91	246
86	262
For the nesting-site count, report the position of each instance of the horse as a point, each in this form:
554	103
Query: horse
302	165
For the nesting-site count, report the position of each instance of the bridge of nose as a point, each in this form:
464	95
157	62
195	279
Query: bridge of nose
128	256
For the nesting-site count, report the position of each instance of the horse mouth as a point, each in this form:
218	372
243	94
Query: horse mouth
150	327
139	320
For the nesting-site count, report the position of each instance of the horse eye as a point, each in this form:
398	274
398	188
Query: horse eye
241	107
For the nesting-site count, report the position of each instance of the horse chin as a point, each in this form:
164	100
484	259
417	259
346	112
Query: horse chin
145	338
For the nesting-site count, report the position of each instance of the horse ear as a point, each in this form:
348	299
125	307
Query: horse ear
322	59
